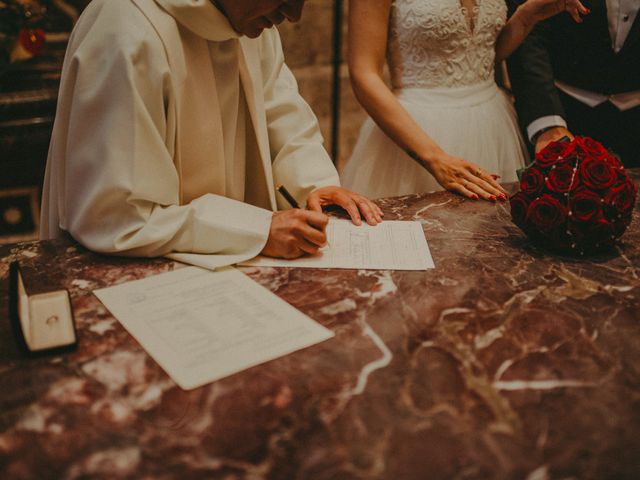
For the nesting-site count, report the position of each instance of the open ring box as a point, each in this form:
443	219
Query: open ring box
41	317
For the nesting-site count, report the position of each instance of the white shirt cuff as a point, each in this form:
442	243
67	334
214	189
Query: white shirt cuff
544	122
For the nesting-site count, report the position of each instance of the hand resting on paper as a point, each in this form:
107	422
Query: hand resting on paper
297	232
357	206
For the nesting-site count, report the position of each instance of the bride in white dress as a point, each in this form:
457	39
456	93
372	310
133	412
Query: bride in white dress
445	123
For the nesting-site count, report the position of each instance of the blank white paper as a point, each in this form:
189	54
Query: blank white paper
201	325
391	245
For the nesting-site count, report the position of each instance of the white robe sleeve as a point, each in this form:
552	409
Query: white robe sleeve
111	160
300	161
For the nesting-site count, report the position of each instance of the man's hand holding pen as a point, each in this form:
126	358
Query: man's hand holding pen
297	232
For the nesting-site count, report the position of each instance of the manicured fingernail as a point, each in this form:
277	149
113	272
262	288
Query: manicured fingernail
493	197
475	197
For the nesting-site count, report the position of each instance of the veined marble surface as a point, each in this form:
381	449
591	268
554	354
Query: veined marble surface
504	362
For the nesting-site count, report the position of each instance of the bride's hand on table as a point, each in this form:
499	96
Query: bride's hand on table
466	178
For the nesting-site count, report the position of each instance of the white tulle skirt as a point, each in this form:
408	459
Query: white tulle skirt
477	123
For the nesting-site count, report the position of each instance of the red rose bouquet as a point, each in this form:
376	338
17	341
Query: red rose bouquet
575	196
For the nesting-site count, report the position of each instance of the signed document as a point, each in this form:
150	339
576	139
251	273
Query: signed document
201	325
392	245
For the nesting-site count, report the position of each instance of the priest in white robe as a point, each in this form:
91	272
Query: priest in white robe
175	120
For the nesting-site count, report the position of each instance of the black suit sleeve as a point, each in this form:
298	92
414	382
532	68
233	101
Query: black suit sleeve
531	74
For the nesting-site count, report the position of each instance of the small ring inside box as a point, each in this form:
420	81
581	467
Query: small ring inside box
42	316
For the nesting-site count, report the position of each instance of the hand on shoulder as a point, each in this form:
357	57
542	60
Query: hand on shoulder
538	10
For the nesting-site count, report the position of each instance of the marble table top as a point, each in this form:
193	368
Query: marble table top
505	361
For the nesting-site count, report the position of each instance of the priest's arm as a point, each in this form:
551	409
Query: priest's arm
111	181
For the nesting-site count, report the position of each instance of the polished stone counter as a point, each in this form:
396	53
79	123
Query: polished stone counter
505	361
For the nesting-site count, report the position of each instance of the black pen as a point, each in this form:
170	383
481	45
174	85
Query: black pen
287	196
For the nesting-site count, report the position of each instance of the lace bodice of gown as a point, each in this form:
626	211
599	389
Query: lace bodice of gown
438	43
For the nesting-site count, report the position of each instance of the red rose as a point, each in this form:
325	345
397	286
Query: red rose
632	185
562	177
532	181
546	213
598	233
597	174
621	198
592	235
591	147
585	205
620	226
614	161
553	152
519	204
32	39
622	177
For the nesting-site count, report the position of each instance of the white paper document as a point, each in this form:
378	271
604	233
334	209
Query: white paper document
201	325
392	245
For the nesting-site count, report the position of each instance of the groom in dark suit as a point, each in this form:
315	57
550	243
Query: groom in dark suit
582	78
